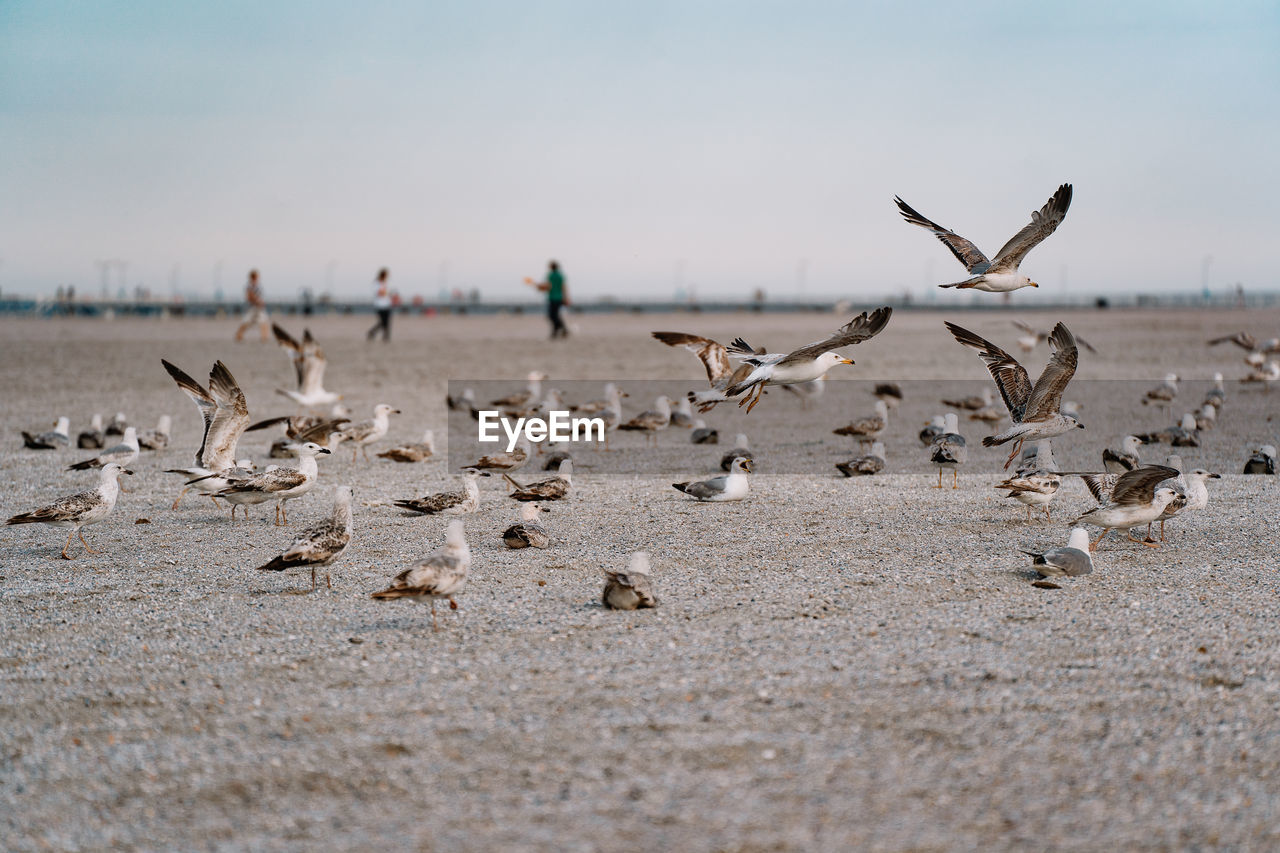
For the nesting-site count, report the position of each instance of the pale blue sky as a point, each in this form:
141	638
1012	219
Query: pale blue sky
734	141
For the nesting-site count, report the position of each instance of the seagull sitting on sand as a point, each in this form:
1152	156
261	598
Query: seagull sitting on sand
1217	395
1071	561
321	543
937	426
1133	501
117	426
453	502
682	414
442	574
632	589
527	533
532	393
124	453
551	489
741	450
225	414
949	451
513	461
79	510
158	438
726	487
92	438
759	369
1263	461
309	364
1164	393
367	432
1034	410
702	434
974	402
866	430
278	484
1208	417
1182	434
863	466
54	439
419	451
1125	458
1001	274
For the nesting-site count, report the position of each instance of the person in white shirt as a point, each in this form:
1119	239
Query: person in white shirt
381	304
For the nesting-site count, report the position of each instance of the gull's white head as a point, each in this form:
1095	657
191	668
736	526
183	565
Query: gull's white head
455	536
470	475
1173	460
639	563
882	409
684	407
382	410
1199	475
342	498
1188	422
699	423
95	423
828	360
165	424
1170	378
1208	411
130	435
1079	539
1163	497
429	439
310	448
1217	378
939	421
63	426
111	471
529	511
566	469
663	403
740	441
952	423
1268	450
741	465
1130	444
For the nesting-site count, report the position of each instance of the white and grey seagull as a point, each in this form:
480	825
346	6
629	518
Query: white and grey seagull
1035	410
1000	274
79	510
226	415
759	369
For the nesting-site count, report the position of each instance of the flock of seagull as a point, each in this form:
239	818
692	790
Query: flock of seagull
1129	493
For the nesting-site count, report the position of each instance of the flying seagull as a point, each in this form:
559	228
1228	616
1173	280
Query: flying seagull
758	368
1001	274
1034	409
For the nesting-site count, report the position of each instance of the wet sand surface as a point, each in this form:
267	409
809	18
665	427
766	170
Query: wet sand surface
834	663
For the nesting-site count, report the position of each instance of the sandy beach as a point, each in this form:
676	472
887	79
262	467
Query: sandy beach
834	664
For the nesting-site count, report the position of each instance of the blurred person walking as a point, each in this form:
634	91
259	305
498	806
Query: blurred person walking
557	298
381	304
256	312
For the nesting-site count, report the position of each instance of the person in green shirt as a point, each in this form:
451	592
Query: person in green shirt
557	298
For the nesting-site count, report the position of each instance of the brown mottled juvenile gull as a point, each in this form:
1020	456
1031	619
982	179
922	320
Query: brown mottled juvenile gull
452	502
1133	501
868	429
367	432
527	533
158	438
1035	410
321	543
631	589
79	510
418	451
1000	274
309	364
225	414
504	461
441	574
278	484
551	489
872	463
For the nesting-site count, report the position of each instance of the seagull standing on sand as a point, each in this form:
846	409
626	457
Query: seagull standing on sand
1134	501
225	414
321	543
79	510
651	420
1071	561
54	439
867	430
442	574
123	454
367	432
632	589
1001	274
278	484
453	502
1034	489
1034	409
949	451
726	487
